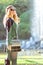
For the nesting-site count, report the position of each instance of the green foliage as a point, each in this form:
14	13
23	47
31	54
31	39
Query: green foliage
24	29
25	25
6	1
23	8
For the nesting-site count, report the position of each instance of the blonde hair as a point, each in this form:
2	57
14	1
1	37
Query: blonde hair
16	19
10	7
15	16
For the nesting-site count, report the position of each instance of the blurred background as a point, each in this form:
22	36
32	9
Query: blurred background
30	28
30	31
24	10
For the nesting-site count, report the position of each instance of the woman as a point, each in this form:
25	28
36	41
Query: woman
10	17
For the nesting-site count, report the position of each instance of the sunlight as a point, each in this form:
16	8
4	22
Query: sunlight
38	18
39	6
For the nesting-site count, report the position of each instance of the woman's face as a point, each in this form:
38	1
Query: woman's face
13	11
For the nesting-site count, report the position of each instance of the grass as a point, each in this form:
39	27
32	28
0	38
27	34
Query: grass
30	60
24	59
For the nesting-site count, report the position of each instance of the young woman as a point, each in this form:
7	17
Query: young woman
10	17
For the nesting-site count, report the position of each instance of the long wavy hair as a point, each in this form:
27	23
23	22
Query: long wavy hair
10	12
13	15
